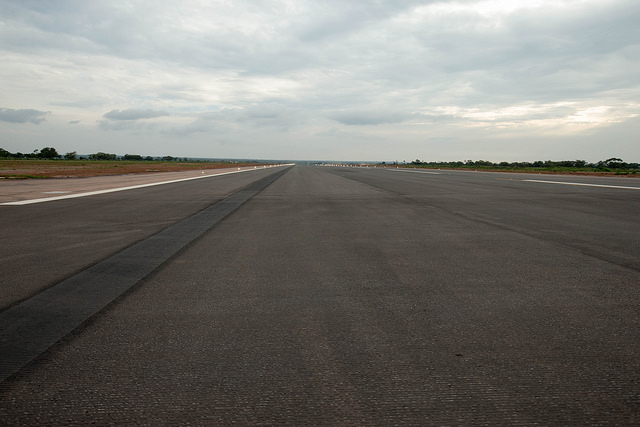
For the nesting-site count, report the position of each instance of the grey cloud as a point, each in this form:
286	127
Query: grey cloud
137	126
80	103
76	25
371	117
131	119
337	18
273	41
204	123
118	125
133	114
22	116
275	117
356	35
536	54
73	122
144	30
271	114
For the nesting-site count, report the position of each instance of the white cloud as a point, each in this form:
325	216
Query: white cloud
133	114
369	117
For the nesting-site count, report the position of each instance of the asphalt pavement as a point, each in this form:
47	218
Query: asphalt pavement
339	296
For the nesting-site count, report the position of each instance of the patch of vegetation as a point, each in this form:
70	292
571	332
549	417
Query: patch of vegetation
47	163
50	153
45	153
17	176
611	165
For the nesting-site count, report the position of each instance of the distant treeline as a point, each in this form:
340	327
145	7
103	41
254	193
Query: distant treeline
51	153
612	164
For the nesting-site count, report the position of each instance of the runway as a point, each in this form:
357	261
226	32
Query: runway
338	296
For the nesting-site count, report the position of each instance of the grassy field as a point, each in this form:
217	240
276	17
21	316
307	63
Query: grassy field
37	168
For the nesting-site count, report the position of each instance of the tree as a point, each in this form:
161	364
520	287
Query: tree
614	163
72	155
102	156
5	153
48	153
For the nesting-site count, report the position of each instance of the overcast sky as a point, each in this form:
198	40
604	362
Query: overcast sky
500	80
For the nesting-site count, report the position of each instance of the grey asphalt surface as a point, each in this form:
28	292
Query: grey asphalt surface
344	296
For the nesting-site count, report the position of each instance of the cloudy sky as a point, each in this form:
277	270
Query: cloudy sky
500	80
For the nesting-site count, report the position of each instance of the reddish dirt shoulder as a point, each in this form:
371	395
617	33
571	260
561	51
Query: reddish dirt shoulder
19	169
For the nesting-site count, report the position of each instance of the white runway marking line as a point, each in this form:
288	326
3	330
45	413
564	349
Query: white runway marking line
113	190
405	170
582	184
